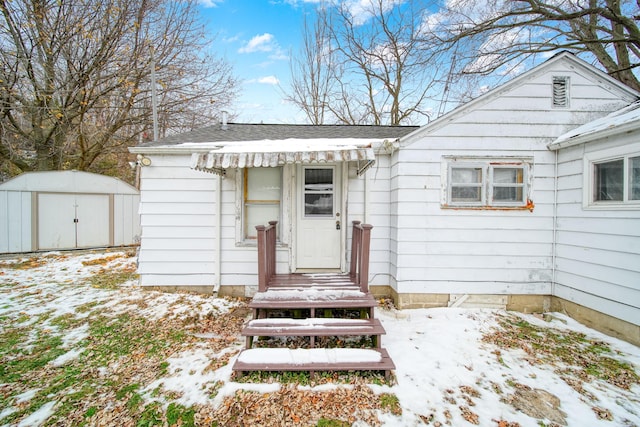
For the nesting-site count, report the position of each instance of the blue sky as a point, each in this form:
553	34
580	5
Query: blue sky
258	37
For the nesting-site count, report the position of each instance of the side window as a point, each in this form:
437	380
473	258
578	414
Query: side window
487	182
262	197
615	181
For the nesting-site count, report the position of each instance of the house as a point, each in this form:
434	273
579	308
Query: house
597	235
466	210
67	210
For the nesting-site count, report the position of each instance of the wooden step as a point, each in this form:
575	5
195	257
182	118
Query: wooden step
313	359
313	327
316	297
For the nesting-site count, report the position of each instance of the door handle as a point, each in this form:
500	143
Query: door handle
338	225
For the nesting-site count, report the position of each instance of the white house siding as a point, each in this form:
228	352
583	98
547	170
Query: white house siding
369	202
178	217
438	250
597	250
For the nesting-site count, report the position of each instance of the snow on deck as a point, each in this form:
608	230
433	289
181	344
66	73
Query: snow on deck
312	294
309	356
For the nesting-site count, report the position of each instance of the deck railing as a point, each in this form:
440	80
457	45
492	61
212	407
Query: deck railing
266	254
360	246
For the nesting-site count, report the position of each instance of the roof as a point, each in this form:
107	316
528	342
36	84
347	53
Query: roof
613	85
620	121
277	132
68	181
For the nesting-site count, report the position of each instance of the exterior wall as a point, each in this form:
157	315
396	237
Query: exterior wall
437	250
15	219
178	217
179	246
598	249
369	202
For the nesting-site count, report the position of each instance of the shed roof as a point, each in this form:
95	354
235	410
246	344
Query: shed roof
71	181
620	121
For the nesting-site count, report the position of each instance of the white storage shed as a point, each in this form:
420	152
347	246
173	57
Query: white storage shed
67	210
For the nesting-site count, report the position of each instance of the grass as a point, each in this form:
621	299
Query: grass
569	351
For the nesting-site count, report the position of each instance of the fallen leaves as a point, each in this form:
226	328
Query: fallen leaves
292	406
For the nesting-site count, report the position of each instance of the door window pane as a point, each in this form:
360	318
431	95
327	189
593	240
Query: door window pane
318	192
609	180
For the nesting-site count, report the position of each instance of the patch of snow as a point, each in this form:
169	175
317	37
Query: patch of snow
306	356
63	359
40	416
27	395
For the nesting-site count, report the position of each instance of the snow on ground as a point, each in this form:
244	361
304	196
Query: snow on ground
444	368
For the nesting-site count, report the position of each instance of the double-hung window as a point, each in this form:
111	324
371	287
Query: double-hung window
483	182
615	180
262	198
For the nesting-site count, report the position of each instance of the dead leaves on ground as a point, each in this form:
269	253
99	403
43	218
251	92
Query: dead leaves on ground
293	406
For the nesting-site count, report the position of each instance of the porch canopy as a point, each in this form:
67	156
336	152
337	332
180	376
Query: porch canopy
273	153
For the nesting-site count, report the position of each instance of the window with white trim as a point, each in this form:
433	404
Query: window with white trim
262	197
487	182
616	180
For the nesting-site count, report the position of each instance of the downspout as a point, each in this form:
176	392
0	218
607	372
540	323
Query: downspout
218	266
555	227
367	185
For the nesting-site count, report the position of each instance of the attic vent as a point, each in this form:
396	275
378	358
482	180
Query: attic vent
560	91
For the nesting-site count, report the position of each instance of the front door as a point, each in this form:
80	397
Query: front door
319	219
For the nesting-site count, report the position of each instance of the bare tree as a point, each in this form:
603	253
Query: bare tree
365	66
504	34
75	85
313	71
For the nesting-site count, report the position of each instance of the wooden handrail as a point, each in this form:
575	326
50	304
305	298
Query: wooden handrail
266	254
360	247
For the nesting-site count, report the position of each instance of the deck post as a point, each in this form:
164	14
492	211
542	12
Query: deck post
360	247
266	254
365	247
355	248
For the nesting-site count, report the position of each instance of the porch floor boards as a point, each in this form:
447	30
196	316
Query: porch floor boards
305	280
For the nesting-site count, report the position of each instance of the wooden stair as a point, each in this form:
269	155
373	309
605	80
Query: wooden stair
313	306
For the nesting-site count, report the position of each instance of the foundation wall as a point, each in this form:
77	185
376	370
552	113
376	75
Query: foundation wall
520	303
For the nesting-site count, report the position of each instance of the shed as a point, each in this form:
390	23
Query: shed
67	210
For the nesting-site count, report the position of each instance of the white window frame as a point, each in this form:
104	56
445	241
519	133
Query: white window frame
589	178
487	165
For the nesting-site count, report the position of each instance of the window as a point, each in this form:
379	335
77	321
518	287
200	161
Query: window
318	192
617	180
560	93
486	182
262	196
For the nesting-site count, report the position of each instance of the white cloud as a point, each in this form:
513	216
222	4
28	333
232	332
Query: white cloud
269	80
210	3
260	43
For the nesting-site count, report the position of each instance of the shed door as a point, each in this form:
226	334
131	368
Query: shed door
319	205
67	221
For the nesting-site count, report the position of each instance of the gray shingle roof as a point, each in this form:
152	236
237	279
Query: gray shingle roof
257	132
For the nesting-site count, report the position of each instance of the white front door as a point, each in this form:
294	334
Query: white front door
319	217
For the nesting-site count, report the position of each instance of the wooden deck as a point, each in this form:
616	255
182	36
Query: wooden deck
314	305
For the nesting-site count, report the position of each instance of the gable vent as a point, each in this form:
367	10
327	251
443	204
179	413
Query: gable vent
560	91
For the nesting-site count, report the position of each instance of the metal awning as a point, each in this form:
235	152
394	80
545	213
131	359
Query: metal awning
218	161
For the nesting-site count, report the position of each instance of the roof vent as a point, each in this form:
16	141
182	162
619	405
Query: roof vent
224	125
560	91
